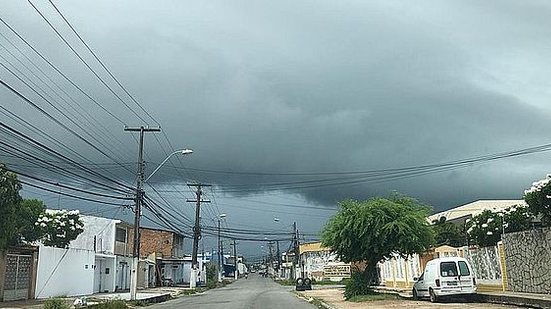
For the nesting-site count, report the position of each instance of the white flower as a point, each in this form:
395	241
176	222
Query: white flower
484	225
490	220
37	223
43	224
489	233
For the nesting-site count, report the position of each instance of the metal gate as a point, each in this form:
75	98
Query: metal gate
18	277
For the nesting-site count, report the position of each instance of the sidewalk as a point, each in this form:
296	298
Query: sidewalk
333	299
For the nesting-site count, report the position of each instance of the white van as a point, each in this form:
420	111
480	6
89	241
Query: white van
445	277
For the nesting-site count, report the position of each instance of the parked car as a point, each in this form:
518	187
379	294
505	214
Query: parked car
445	277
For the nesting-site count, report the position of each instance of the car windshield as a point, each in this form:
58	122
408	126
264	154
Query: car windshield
463	269
448	269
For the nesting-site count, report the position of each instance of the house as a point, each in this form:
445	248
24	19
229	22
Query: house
320	263
88	266
100	259
460	214
161	256
399	272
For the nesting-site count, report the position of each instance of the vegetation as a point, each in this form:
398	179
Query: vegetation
374	297
538	198
486	228
56	303
447	233
212	276
377	229
114	304
26	220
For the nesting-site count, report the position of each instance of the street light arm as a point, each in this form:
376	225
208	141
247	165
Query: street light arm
183	151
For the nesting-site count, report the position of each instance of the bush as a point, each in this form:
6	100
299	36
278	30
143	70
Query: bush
358	284
56	303
212	276
112	304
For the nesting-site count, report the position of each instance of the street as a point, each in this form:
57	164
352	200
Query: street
255	292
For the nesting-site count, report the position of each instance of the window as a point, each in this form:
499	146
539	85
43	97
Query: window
448	269
464	269
120	235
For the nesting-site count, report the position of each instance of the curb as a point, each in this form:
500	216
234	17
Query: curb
514	300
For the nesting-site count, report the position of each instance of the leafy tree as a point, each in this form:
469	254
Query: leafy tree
538	198
376	229
486	228
447	233
59	227
9	204
26	220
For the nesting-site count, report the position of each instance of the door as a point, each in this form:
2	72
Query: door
449	277
465	277
123	276
18	277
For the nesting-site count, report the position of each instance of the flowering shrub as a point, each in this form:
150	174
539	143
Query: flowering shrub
59	227
538	198
486	228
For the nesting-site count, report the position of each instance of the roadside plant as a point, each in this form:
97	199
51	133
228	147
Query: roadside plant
376	229
485	229
538	198
56	303
59	227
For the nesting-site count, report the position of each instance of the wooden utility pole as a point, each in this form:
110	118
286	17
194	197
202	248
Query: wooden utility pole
196	232
138	208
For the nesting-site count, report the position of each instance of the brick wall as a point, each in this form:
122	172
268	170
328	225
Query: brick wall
153	241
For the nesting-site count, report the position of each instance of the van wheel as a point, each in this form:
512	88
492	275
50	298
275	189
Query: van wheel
433	297
415	295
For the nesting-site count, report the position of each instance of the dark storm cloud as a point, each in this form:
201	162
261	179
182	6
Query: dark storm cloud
317	86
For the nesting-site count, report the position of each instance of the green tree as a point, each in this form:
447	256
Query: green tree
486	228
538	198
26	220
447	233
9	205
376	229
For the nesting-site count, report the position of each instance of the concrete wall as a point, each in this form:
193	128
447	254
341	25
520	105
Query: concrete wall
100	230
528	261
67	272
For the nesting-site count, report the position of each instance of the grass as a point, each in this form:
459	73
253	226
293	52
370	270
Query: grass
373	297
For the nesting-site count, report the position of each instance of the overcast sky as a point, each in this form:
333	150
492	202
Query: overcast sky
297	87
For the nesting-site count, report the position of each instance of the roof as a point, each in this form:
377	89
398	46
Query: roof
475	208
313	247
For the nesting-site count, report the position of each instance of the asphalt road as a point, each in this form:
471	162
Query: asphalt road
255	292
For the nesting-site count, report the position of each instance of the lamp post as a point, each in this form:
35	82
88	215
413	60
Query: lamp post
136	255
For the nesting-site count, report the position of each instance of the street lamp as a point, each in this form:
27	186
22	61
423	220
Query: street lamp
183	152
137	215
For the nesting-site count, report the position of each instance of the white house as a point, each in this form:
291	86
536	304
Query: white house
88	266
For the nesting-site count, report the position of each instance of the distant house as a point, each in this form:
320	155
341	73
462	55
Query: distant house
320	263
461	213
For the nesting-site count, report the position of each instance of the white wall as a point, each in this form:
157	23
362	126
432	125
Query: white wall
64	272
104	231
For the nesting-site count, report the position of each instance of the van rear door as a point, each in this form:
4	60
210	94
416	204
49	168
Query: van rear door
449	277
465	277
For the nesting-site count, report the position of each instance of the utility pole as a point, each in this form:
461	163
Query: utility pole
235	259
278	258
297	249
138	208
196	233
